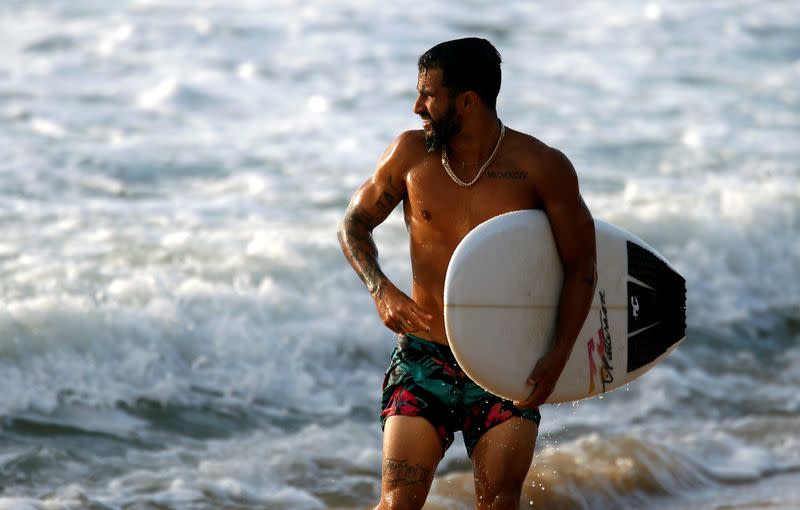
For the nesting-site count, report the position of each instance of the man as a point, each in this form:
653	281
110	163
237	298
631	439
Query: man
462	169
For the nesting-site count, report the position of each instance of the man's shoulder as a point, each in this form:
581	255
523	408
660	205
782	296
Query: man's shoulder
524	138
411	141
535	151
405	151
407	147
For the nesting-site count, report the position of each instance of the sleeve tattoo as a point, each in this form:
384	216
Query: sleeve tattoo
355	236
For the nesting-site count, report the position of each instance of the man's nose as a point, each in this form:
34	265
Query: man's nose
418	105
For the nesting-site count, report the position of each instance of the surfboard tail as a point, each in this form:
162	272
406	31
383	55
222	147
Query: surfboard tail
656	307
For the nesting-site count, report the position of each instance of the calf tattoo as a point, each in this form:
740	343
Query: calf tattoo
399	473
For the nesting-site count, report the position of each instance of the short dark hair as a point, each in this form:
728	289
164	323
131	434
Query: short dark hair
471	63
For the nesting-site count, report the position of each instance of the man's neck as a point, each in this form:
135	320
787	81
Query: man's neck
474	144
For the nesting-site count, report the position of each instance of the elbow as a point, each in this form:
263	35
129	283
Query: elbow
340	233
583	269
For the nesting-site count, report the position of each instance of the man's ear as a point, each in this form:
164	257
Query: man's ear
469	100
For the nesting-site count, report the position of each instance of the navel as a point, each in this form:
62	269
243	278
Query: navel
426	214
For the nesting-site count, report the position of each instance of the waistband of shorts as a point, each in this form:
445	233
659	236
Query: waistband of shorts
422	345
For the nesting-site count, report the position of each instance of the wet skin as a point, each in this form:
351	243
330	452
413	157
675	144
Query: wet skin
525	174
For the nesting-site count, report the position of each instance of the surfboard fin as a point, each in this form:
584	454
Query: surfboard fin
656	307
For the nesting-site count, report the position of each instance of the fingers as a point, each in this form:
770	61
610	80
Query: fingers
540	388
534	398
408	325
537	397
540	392
401	314
536	374
530	401
407	317
418	319
543	380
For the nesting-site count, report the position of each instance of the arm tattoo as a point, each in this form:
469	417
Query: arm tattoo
386	202
362	218
399	473
389	198
394	188
355	237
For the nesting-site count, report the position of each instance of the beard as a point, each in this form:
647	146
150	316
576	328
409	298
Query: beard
442	130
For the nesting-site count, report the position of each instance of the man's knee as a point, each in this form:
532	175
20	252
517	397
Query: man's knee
498	492
503	500
402	500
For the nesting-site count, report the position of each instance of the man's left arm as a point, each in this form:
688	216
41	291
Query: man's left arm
573	231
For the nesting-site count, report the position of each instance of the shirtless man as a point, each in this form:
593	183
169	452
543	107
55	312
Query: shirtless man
462	169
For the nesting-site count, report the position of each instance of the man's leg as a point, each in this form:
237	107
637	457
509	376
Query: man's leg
501	460
411	451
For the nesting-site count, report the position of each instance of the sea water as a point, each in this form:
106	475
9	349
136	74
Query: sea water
180	330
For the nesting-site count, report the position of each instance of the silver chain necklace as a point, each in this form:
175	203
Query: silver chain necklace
446	161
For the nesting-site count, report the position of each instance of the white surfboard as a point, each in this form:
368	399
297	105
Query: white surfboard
501	296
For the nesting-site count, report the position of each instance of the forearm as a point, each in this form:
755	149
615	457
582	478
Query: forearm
360	250
398	312
575	302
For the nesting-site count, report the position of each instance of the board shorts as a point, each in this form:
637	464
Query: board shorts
425	380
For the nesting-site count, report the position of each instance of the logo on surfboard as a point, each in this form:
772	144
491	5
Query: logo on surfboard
601	345
635	307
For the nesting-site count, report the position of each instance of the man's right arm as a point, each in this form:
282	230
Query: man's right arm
370	206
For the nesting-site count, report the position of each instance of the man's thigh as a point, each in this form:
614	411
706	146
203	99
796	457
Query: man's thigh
411	451
502	457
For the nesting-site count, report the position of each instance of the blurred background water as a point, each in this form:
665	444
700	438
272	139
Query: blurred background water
180	330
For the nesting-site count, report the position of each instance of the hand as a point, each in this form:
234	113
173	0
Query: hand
399	312
543	380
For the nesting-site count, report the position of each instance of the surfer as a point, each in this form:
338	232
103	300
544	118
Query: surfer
463	168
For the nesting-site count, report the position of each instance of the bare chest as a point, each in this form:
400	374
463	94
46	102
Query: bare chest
437	208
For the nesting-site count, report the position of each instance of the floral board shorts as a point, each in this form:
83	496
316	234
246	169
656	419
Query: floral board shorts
425	380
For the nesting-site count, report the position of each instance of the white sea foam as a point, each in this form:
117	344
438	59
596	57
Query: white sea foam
173	177
155	97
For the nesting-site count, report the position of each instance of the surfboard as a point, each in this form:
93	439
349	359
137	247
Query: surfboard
501	294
